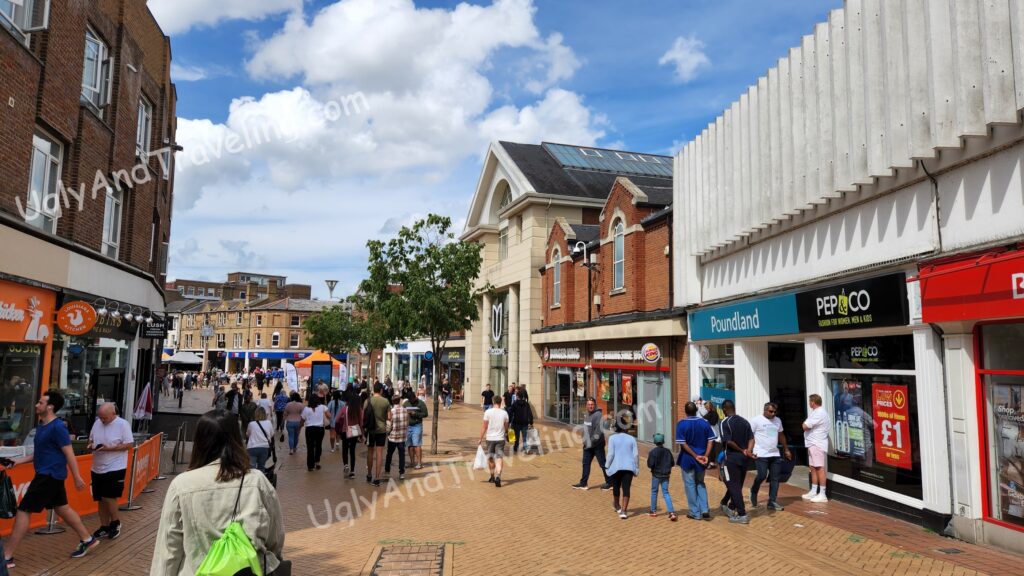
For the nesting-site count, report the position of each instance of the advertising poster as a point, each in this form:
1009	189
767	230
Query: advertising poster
581	388
627	389
321	372
850	421
890	404
1008	416
717	396
606	386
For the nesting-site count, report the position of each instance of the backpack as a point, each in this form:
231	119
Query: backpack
369	418
232	553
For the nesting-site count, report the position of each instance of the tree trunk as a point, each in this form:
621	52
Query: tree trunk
436	365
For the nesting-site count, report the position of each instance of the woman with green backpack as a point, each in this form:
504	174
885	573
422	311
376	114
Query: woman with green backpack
218	518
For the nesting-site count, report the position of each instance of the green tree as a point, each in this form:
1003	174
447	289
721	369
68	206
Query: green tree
421	284
334	330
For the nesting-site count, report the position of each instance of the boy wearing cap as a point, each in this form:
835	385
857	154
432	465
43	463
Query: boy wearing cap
660	463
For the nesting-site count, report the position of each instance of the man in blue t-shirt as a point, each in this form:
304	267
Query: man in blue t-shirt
695	438
52	457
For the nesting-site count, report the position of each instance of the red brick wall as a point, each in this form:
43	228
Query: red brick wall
45	83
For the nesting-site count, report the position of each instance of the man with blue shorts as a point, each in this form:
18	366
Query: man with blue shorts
417	410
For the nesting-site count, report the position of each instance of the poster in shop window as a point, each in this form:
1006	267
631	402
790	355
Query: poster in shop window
851	422
1008	420
892	425
627	389
606	386
581	387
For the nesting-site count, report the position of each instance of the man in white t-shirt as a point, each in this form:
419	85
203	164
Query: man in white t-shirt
767	429
110	440
495	431
816	439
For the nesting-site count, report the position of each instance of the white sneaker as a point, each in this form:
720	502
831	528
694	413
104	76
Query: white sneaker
809	495
820	498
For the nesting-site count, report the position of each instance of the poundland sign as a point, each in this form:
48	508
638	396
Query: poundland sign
763	317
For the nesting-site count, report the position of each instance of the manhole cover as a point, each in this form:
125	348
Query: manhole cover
406	561
893	534
951	550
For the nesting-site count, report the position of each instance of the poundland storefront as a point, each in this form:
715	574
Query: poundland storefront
858	344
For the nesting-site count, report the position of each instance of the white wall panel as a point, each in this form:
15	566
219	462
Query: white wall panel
983	202
882	83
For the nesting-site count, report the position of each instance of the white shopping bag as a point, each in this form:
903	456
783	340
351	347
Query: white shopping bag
480	462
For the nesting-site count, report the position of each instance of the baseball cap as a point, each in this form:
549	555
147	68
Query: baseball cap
659	438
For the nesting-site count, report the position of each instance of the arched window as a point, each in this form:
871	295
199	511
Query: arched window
556	290
618	255
506	199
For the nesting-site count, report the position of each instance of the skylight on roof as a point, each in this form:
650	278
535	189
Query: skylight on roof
590	152
612	161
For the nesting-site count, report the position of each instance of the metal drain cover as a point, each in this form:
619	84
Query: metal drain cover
414	560
951	551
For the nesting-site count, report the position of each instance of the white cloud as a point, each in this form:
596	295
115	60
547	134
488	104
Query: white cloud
306	184
687	55
176	16
183	73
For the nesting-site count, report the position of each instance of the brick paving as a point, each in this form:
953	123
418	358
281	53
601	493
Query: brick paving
535	524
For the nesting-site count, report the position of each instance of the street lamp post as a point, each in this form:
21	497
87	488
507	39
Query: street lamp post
330	289
590	264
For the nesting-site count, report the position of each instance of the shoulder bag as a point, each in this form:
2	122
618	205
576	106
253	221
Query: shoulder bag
269	471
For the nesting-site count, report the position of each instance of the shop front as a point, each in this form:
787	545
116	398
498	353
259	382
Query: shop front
878	373
978	303
566	386
26	314
453	364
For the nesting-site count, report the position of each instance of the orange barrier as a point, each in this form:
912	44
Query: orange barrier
147	467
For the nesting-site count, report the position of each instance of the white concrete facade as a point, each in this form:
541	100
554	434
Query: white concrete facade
892	134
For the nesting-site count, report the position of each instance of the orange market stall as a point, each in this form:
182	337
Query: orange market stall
321	366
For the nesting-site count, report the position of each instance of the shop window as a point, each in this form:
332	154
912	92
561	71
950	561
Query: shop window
112	222
275	340
20	379
88	371
1002	376
43	206
871	394
556	288
618	256
716	364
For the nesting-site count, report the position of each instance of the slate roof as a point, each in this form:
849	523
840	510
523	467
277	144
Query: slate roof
656	195
585	232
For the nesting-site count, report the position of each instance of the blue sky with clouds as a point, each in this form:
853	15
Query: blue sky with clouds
320	170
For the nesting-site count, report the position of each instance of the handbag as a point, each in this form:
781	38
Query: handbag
511	435
8	500
354	431
269	471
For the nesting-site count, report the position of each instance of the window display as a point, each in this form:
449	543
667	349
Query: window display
717	374
20	373
875	438
1004	407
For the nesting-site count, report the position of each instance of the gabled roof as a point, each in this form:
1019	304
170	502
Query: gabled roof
586	233
656	195
295	305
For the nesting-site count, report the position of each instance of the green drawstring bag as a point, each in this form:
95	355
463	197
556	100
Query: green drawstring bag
233	553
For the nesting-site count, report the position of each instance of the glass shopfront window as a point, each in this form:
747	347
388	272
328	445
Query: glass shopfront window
89	371
498	350
566	393
872	397
1004	411
20	377
717	374
618	396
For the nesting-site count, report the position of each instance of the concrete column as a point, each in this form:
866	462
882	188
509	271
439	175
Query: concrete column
485	356
513	334
751	377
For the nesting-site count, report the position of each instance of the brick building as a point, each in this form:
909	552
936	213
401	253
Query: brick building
87	134
629	349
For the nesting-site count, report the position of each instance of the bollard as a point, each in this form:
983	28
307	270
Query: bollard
51	525
131	487
160	459
174	453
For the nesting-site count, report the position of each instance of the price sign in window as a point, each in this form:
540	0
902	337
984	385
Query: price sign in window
892	425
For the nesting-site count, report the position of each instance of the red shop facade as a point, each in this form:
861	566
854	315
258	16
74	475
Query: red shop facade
977	301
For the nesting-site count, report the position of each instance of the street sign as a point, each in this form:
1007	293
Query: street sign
206	331
428	355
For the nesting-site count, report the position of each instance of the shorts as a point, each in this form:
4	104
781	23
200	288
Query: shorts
44	492
378	440
108	485
415	437
815	457
495	449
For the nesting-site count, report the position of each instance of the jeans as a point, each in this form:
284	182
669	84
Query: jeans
348	452
293	434
663	483
314	445
520	436
772	464
696	491
258	457
597	449
392	446
447	400
735	475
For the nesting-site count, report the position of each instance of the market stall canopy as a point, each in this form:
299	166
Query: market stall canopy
165	357
318	356
184	358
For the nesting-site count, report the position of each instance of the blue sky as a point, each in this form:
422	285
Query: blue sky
440	81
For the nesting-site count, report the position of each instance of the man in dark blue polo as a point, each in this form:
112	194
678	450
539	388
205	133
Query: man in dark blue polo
695	438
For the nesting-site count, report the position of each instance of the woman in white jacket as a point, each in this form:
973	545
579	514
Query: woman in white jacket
200	503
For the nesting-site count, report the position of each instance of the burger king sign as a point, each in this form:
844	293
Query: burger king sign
650	353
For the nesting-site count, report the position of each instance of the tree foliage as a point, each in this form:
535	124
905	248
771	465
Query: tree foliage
422	285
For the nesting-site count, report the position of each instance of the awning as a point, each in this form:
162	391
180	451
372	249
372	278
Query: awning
318	356
184	358
976	287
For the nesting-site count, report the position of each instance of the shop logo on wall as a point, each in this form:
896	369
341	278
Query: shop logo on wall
651	353
1018	286
76	318
37	330
547	354
868	303
497	317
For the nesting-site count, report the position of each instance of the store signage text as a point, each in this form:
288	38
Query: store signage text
1018	286
76	318
561	354
892	425
880	301
496	351
37	330
650	353
619	355
764	317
